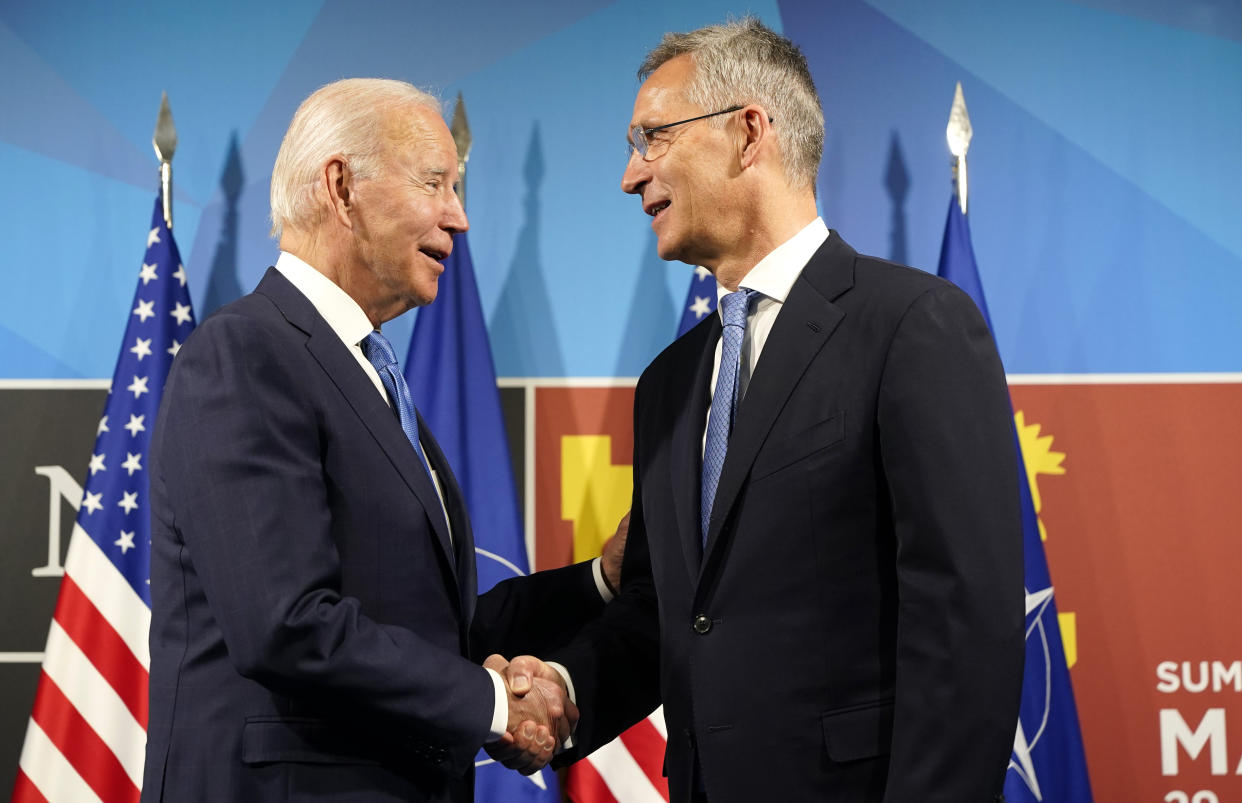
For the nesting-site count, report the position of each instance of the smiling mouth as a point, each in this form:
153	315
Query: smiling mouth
435	253
655	209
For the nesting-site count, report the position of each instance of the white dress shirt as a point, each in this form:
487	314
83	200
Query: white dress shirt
771	279
352	326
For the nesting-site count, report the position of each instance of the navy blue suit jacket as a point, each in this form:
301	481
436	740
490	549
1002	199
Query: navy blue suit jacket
853	630
315	631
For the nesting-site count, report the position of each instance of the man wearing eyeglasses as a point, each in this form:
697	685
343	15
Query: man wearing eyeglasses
823	580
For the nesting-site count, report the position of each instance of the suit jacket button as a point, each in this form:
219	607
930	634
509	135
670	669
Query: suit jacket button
702	624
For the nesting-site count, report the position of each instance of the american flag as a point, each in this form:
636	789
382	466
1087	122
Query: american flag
87	732
630	768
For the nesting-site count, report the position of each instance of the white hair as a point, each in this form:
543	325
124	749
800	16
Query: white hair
346	117
744	61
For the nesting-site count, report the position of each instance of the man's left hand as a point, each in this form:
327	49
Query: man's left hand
614	553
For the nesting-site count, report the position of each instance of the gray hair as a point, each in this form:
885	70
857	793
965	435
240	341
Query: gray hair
346	117
744	61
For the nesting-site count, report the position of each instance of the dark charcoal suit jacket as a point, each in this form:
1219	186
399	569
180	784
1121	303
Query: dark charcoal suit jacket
314	629
854	629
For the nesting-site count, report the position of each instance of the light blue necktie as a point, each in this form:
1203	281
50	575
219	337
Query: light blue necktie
379	352
733	308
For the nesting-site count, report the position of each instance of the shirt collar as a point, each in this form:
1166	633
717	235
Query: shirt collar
336	306
776	273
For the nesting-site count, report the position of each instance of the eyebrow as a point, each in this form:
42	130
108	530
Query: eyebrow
429	173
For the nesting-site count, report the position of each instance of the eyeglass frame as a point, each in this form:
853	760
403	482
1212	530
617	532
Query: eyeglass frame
640	134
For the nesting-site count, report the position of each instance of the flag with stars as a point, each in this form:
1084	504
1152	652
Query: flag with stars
87	731
1048	762
453	378
700	300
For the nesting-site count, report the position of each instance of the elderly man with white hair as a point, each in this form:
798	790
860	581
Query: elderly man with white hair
316	631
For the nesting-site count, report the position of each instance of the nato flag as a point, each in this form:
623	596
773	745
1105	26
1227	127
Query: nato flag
451	373
1047	763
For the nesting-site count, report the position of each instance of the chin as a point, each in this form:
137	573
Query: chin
668	249
425	295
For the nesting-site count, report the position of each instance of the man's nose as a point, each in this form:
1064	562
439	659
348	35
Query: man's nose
455	217
637	173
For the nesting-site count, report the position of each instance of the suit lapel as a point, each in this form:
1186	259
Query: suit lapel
459	521
806	321
380	420
686	458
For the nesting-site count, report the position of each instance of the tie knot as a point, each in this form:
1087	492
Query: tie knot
378	351
734	307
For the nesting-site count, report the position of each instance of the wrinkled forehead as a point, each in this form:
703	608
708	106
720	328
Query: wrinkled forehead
664	93
418	133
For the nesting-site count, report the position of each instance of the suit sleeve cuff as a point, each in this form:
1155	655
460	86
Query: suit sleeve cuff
500	714
597	571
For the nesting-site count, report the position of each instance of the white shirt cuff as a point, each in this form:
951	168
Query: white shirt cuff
500	714
597	571
569	685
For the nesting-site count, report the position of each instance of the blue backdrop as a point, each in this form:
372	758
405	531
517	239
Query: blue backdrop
1106	176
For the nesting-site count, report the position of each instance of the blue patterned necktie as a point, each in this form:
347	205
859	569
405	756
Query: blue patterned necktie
733	308
379	352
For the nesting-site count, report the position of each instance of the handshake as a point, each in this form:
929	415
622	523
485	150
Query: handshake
541	715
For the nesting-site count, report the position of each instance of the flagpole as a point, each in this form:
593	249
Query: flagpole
165	142
450	369
460	129
958	134
86	737
1047	762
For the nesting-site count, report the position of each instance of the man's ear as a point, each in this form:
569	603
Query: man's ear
756	132
338	181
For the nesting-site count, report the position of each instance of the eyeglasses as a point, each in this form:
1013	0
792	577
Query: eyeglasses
638	134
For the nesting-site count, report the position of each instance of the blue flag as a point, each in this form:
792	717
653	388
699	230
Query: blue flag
1047	763
700	300
451	373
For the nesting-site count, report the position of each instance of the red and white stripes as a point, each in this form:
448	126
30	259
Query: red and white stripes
87	733
629	769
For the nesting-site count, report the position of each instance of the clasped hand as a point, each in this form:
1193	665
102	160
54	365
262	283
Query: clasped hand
541	716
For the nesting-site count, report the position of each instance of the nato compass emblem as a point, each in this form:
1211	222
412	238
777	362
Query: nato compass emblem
1020	760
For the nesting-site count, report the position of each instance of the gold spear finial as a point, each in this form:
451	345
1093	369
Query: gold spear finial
958	134
165	142
460	129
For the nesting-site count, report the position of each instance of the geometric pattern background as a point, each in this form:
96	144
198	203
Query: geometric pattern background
1105	178
1106	186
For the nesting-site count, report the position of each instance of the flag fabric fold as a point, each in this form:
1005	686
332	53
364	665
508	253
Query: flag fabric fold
86	736
453	380
1048	762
